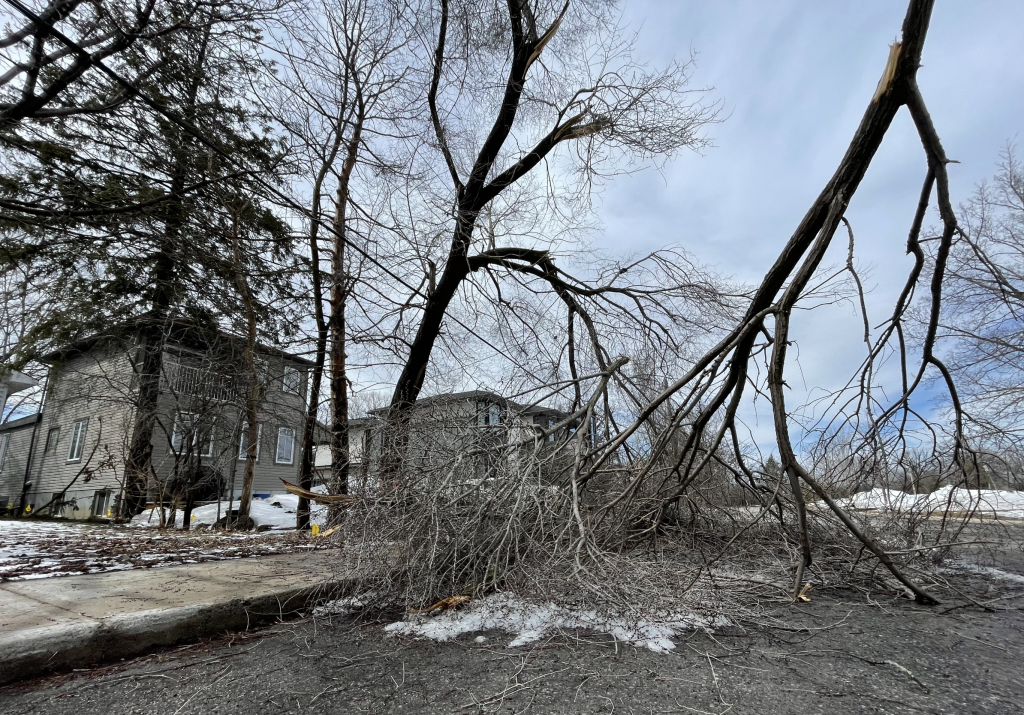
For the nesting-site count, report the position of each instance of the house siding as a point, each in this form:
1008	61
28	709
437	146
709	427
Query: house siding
278	409
12	470
99	385
96	386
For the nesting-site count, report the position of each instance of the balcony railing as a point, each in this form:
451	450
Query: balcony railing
196	382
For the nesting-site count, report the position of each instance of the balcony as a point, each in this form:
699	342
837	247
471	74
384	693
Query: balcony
196	382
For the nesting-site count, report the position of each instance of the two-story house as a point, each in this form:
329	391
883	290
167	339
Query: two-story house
481	424
71	456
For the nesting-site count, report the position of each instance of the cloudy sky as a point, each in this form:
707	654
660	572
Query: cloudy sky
794	79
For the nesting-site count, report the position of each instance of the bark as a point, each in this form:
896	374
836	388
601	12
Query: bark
340	284
306	465
254	388
339	376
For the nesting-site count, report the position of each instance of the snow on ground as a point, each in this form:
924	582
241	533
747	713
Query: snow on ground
532	621
31	548
995	573
274	512
986	503
35	548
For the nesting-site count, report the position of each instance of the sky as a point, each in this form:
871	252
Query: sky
794	79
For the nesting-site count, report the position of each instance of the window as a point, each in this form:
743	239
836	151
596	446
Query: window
243	441
57	503
182	423
5	441
292	380
285	445
205	442
77	439
52	438
188	427
551	424
487	414
101	503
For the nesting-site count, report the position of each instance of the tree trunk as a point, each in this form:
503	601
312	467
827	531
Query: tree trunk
253	388
139	464
339	377
395	437
340	286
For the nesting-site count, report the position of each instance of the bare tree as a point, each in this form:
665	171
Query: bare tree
334	101
663	461
982	323
567	80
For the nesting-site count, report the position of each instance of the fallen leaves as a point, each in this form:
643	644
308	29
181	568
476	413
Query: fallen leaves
445	604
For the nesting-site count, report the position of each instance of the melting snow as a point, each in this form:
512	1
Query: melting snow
531	621
275	512
33	548
984	502
993	572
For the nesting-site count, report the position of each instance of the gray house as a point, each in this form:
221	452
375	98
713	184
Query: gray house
70	458
446	427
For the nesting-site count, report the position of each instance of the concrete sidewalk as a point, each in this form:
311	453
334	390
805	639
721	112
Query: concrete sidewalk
53	624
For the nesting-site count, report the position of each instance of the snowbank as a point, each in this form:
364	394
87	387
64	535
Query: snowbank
985	502
277	511
531	621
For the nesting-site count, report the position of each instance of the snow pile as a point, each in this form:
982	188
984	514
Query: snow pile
984	502
275	512
531	621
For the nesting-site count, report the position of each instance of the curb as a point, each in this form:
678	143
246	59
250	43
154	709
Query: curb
38	652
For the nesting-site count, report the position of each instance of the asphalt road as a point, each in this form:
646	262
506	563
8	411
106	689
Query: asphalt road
842	653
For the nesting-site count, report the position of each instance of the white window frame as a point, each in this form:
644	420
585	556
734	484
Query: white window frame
77	443
281	431
189	422
290	371
208	441
178	431
243	448
5	442
101	499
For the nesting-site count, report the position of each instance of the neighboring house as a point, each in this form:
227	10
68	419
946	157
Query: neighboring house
15	445
76	460
442	427
358	427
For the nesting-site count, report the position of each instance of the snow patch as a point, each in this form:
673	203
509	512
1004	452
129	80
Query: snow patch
532	621
993	573
983	502
276	511
339	607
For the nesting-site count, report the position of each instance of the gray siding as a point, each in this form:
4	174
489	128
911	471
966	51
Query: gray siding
99	386
96	386
12	470
279	409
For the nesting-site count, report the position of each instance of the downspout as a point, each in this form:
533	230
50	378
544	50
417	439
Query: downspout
31	448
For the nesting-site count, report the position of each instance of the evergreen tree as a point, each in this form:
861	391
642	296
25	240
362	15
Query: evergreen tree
128	225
